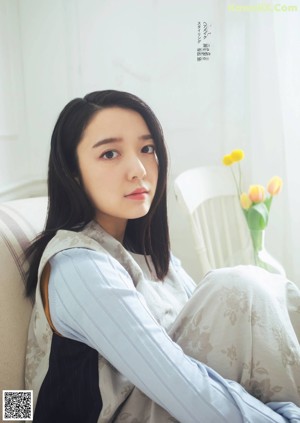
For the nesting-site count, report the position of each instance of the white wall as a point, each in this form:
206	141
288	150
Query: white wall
68	48
14	157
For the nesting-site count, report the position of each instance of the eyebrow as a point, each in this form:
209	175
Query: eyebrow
119	139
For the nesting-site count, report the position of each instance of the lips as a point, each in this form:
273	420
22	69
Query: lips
137	192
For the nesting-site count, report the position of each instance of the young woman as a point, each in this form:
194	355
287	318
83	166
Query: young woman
118	332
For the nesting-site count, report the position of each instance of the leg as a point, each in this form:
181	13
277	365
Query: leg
244	323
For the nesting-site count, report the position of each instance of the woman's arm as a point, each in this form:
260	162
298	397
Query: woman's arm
93	300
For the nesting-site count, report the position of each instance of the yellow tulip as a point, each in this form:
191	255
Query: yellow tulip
256	193
237	155
245	201
227	160
274	185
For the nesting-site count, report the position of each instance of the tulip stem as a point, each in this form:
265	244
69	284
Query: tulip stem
235	181
240	178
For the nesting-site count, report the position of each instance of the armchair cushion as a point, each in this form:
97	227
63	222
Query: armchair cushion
20	222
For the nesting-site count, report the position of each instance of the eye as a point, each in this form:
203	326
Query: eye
109	155
149	149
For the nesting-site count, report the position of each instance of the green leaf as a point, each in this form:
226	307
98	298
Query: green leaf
268	202
257	217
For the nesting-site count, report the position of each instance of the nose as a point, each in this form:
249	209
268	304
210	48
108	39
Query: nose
136	169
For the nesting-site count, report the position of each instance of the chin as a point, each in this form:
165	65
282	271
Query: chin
140	214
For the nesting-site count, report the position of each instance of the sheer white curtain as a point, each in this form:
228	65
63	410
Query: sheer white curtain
262	113
287	36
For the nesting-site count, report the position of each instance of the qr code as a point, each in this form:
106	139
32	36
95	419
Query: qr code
17	405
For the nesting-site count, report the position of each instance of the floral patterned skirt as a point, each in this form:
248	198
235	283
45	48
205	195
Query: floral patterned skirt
243	322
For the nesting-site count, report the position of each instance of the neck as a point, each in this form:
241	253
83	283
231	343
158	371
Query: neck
114	227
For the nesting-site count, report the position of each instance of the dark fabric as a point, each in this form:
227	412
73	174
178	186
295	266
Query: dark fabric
70	391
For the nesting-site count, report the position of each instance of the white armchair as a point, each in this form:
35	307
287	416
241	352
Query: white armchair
20	221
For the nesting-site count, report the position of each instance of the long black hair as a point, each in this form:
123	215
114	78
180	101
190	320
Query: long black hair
68	205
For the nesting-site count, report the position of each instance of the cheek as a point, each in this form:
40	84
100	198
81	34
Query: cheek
89	181
155	171
153	166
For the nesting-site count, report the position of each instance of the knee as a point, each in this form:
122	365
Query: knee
250	279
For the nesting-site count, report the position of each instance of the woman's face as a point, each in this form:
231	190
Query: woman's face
118	167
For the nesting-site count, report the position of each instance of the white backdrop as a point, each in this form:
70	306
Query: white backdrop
245	96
